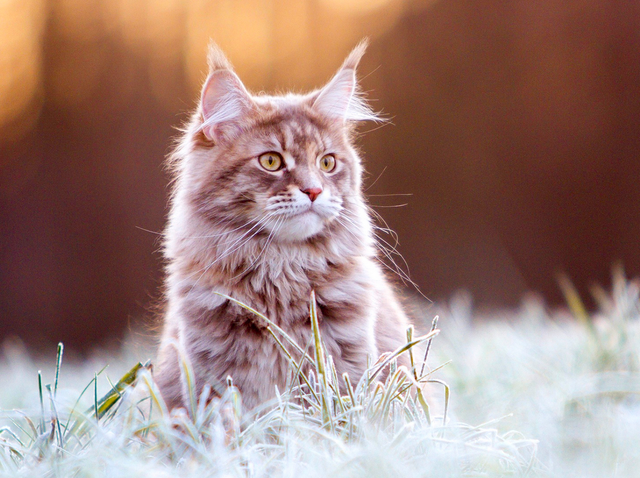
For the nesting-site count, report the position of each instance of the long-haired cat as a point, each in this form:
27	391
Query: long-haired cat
267	206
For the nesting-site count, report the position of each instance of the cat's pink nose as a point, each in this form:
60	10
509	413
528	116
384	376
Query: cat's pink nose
313	193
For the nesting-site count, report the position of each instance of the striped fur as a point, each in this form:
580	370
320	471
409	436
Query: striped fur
238	229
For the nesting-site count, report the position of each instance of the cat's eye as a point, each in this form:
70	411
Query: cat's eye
270	161
328	163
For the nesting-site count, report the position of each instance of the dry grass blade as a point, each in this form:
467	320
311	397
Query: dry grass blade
108	401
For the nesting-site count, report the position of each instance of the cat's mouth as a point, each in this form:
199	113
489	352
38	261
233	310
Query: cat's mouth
300	224
321	215
303	210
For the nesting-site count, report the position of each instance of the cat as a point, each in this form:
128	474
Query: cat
267	206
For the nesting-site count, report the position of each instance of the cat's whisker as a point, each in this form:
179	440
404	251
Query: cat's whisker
392	250
387	229
396	268
150	231
382	245
352	223
216	224
262	223
347	216
389	205
211	236
272	234
404	275
389	232
376	180
346	228
376	128
276	227
235	246
388	195
402	278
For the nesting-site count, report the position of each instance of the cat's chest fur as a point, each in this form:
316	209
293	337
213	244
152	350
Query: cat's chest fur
277	282
223	338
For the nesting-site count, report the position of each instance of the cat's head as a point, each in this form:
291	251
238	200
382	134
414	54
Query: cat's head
284	165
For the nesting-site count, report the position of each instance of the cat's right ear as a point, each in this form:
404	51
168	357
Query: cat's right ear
224	98
340	98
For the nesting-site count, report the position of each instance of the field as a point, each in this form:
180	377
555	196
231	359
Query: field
527	392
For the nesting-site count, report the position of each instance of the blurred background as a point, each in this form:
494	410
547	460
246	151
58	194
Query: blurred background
515	128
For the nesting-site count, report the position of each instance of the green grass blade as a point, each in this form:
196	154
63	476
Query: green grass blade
95	397
574	302
56	418
315	330
347	382
447	394
58	365
154	393
434	325
320	361
411	359
425	406
42	421
188	379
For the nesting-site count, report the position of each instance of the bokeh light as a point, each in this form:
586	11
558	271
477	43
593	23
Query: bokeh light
21	29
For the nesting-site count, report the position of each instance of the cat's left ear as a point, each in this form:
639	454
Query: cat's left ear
224	99
340	98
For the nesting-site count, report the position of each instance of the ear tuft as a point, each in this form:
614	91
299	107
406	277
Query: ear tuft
217	59
356	55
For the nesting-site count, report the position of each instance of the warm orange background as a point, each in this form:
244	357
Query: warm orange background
516	127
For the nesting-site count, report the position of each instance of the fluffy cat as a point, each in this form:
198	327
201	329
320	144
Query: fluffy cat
267	206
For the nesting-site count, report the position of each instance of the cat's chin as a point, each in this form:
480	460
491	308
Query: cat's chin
300	227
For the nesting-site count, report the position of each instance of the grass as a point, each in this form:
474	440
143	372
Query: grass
532	393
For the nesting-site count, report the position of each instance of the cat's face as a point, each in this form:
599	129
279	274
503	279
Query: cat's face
287	172
277	166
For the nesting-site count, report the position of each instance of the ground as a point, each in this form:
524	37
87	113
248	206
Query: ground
532	392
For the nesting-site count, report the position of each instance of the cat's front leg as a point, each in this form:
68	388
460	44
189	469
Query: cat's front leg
166	372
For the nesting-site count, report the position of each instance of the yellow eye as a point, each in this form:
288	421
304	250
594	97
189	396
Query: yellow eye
328	163
270	161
